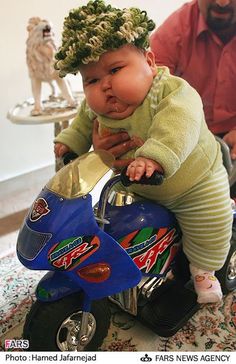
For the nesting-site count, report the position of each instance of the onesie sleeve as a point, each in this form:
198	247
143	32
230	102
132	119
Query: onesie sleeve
78	136
176	125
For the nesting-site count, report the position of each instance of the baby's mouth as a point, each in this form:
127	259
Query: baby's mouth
115	104
111	99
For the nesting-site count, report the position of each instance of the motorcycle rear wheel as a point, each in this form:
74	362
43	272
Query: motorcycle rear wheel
54	326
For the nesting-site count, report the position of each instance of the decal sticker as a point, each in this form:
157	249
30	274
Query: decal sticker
69	253
39	209
43	293
152	250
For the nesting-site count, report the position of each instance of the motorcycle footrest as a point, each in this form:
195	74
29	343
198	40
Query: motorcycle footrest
169	312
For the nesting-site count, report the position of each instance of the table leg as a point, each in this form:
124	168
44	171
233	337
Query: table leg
58	127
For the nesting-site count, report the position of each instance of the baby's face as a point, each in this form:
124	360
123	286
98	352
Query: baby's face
119	82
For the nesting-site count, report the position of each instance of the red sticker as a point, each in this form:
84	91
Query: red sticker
39	209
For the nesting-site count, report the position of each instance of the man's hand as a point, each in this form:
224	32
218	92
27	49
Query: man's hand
60	149
117	144
142	166
230	139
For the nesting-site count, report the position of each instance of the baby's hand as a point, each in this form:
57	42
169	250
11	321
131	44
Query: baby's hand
142	166
60	149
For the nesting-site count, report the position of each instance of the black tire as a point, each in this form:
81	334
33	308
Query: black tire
43	324
227	274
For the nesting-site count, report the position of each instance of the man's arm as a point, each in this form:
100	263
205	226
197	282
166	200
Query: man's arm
230	139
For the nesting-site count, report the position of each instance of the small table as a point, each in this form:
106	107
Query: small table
55	111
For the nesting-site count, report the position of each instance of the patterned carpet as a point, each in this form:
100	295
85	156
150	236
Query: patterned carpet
213	328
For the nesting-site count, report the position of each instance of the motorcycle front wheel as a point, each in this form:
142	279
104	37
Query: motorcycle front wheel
55	326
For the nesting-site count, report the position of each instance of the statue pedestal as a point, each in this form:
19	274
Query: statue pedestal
55	111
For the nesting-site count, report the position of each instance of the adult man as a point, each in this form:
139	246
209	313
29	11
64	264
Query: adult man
198	43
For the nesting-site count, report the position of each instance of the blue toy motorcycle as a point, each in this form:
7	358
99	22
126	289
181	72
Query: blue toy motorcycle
123	250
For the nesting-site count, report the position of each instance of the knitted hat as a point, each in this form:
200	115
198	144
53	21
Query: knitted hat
95	28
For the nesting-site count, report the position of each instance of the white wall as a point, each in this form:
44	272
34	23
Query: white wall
26	148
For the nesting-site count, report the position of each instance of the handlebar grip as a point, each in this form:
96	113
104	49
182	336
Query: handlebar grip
155	179
68	157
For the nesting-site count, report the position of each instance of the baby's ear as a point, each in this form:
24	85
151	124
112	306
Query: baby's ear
151	61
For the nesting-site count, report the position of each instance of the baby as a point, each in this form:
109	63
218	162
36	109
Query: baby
125	90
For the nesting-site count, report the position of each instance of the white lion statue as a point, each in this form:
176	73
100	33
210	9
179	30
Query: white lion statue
40	51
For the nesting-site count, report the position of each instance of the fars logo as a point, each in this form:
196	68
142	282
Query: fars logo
16	344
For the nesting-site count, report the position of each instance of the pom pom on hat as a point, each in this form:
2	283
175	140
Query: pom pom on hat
92	29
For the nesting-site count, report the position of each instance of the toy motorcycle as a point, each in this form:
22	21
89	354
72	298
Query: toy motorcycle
124	250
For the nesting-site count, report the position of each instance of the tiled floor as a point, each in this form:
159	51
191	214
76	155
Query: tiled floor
16	196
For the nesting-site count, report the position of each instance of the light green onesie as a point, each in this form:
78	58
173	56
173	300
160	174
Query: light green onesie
171	123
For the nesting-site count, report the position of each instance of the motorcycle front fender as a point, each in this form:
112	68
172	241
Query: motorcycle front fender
55	285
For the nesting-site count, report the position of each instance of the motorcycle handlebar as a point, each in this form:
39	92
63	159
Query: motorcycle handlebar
155	179
69	157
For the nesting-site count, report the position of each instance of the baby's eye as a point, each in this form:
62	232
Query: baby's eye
115	69
92	81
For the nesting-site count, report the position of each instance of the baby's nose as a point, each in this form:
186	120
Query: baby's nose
106	83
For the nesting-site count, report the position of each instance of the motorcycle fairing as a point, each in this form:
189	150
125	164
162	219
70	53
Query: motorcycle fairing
69	225
66	218
149	232
124	274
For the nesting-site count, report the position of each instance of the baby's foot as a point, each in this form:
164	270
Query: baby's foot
206	286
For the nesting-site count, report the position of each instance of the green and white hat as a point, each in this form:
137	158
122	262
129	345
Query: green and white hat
95	28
